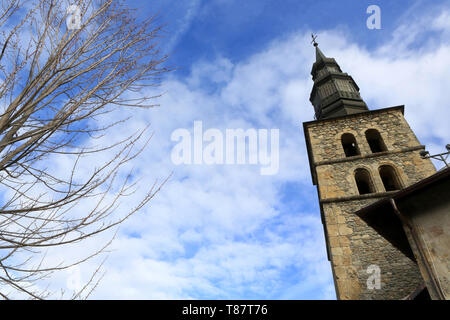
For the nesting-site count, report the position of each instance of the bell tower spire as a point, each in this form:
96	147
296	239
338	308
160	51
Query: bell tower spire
334	93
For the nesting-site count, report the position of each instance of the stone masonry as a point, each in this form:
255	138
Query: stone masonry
352	245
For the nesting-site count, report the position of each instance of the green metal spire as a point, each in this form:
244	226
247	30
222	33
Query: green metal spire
319	54
334	93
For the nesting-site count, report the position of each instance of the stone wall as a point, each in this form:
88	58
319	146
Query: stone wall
352	245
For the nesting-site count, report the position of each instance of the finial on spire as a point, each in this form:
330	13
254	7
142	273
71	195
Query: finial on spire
315	44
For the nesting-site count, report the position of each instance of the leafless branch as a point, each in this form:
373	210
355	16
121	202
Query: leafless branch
57	87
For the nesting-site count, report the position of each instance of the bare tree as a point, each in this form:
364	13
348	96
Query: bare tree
62	70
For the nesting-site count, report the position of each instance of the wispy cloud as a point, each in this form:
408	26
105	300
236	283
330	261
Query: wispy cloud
184	22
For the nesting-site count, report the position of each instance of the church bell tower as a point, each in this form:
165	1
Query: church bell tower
358	156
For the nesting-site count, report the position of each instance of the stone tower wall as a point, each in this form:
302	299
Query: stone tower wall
352	245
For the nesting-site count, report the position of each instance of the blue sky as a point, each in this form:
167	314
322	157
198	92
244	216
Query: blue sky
225	231
238	29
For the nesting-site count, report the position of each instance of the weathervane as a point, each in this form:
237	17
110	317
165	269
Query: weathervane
315	44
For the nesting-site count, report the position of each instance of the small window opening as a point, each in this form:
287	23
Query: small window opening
389	178
375	141
364	181
349	144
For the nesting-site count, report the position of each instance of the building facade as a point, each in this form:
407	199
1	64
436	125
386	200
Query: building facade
358	156
416	220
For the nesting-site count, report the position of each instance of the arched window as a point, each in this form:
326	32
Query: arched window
349	144
364	181
375	141
389	178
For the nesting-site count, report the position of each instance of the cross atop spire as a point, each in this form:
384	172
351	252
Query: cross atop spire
314	37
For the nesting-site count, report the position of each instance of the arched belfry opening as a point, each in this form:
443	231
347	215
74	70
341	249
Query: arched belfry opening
390	179
349	144
375	141
364	181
